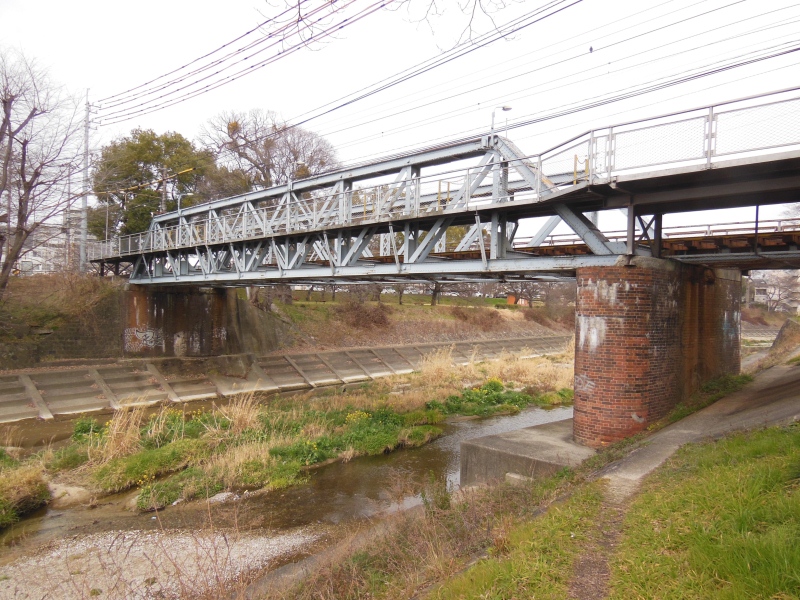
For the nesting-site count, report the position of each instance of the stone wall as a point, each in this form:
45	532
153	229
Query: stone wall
647	335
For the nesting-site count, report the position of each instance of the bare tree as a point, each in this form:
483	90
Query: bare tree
780	288
38	150
314	25
258	144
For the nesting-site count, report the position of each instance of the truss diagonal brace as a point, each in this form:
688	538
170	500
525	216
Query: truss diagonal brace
516	159
538	239
586	230
434	235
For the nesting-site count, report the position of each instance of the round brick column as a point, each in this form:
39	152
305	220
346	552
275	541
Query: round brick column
646	336
627	349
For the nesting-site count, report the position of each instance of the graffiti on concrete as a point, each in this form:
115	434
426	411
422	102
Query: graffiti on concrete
138	339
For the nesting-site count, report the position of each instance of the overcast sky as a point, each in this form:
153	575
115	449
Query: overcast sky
111	47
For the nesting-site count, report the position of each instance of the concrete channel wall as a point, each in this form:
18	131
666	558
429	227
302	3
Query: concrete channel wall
51	392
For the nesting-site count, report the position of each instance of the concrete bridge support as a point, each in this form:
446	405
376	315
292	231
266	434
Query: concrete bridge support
185	321
648	334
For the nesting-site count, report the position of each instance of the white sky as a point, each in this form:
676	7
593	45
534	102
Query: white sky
112	46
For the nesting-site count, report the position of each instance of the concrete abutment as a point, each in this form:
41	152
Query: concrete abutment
184	321
648	333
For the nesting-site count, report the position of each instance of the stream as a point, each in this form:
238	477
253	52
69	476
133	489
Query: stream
334	494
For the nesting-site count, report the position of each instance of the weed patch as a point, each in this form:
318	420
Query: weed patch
141	468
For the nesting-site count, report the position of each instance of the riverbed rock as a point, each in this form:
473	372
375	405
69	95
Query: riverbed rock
68	496
221	497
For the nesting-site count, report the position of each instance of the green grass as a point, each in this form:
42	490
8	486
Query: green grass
708	394
186	485
719	520
492	398
142	467
536	558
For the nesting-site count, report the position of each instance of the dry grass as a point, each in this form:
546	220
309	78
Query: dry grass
121	437
23	488
11	436
229	465
242	412
437	368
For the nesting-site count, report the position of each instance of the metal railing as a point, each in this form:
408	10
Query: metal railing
678	232
683	139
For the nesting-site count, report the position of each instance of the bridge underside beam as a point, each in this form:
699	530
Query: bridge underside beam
435	268
648	334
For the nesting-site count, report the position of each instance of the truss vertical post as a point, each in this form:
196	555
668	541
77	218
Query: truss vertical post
631	237
710	136
657	233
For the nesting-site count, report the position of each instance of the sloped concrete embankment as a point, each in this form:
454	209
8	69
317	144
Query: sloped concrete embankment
53	395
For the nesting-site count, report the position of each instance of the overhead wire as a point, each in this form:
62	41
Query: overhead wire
517	25
199	58
348	125
129	113
275	42
542	90
425	69
469	134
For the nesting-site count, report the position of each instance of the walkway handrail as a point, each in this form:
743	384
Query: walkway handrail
692	137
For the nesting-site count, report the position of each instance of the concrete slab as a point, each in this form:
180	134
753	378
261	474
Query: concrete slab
533	451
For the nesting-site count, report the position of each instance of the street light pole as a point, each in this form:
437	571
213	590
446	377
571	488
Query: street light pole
504	109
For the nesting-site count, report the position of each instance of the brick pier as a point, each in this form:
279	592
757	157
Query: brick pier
647	335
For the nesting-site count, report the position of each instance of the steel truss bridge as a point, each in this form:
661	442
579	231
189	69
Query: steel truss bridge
453	212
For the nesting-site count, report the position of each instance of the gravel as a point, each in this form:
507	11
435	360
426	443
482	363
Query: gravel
143	565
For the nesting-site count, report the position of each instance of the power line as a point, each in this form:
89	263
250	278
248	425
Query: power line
277	38
541	90
423	67
128	113
347	125
198	59
516	25
470	134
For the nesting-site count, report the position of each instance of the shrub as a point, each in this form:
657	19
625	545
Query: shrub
363	315
483	318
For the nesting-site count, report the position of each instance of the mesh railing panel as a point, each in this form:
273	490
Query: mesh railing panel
671	142
564	162
758	127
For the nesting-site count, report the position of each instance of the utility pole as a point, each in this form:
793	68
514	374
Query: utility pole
163	189
85	195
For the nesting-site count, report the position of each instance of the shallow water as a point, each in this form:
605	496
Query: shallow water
334	494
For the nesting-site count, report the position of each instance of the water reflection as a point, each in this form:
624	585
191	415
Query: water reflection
336	493
364	487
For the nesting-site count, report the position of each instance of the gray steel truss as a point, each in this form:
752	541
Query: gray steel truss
452	213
